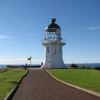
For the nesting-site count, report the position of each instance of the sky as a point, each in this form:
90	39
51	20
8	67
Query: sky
23	23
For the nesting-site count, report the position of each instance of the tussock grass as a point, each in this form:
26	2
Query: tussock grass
86	78
9	77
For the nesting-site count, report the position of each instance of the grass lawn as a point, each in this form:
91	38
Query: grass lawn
9	77
85	78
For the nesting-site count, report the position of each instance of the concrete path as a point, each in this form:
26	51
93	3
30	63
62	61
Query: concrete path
39	85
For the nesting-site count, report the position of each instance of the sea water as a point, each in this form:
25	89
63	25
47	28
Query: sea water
92	65
3	66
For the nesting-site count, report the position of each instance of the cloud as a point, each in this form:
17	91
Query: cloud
19	61
93	28
5	37
4	40
4	44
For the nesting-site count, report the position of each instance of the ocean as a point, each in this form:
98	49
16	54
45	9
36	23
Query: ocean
3	66
81	64
92	65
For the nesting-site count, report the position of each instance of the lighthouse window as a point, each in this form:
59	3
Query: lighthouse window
48	35
47	49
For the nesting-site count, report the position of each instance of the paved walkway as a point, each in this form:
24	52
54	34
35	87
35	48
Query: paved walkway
39	85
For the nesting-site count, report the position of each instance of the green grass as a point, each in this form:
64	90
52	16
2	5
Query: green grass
89	79
9	78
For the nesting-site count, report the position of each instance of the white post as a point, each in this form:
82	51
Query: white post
30	60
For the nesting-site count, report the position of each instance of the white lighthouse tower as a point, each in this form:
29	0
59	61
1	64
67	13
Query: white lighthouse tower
53	44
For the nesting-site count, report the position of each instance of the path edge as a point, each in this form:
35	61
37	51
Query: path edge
79	88
13	91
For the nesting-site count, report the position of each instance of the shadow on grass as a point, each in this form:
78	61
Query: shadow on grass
15	82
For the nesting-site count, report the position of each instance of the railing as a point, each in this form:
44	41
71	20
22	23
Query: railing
53	41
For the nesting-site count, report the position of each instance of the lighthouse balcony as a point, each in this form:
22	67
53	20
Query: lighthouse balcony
49	41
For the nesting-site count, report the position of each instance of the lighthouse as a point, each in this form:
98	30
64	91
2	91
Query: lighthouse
53	44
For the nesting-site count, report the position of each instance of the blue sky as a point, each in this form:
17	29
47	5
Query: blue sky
23	23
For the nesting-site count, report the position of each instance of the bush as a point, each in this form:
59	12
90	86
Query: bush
73	66
88	67
83	67
97	68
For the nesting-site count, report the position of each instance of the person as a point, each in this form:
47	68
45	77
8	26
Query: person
26	66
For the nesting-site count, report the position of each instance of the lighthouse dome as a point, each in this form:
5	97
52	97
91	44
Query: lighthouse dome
52	27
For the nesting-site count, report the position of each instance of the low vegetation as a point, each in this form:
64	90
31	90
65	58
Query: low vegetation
9	77
85	78
75	66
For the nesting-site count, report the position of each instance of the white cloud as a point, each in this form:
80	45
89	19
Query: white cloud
5	37
93	28
19	61
4	40
4	44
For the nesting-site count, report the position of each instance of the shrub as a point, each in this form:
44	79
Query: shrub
88	67
83	67
73	66
97	68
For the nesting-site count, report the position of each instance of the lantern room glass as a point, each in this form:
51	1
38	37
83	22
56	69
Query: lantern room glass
51	36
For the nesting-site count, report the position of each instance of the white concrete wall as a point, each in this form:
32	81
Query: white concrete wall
53	59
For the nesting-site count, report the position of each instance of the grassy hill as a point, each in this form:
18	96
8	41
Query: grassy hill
85	78
9	77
